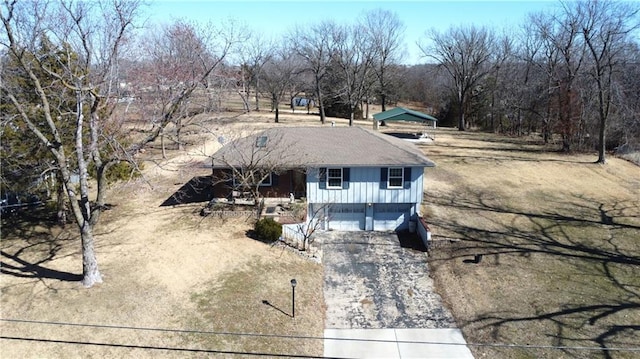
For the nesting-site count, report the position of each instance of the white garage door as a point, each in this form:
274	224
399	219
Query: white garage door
346	217
391	216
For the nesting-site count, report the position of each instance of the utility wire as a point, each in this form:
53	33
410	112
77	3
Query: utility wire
284	336
151	347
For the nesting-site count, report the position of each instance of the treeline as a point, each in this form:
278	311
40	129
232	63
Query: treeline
572	75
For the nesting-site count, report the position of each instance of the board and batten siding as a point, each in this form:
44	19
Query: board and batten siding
365	187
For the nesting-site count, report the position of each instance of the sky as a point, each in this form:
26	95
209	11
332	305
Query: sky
275	18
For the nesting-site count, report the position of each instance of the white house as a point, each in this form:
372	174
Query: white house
352	178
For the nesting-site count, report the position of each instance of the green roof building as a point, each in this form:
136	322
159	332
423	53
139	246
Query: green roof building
403	114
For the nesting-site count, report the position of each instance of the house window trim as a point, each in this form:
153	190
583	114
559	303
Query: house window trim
269	183
335	177
401	177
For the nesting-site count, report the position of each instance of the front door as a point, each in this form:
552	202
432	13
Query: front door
299	184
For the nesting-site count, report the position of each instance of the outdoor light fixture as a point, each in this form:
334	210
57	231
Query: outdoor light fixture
293	297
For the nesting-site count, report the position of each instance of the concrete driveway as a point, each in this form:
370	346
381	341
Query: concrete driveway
371	281
380	300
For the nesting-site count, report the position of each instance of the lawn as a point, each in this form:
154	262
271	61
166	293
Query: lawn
175	284
560	243
557	233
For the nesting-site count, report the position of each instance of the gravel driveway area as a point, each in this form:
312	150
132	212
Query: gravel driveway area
372	281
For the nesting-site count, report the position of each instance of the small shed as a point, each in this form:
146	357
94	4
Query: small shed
403	114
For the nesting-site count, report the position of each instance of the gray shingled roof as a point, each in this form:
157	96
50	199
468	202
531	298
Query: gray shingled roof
322	146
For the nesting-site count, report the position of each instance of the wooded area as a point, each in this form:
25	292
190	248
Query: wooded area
74	74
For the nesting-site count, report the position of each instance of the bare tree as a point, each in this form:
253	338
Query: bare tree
88	38
466	55
177	60
352	58
502	94
311	222
542	58
255	52
279	74
572	53
315	46
385	31
605	26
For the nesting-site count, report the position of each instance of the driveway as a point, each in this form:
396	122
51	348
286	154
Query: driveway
380	300
372	281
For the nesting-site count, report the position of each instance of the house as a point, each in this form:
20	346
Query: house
352	178
403	114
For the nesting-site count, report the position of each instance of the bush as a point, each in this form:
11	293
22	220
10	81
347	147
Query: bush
120	171
268	229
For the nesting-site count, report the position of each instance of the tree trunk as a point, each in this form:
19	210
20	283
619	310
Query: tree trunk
366	116
383	99
493	108
602	113
566	143
322	115
90	272
320	103
461	119
602	143
245	102
62	211
257	96
519	123
178	130
82	207
277	113
164	151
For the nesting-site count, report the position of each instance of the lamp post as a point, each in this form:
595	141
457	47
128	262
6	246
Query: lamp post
293	298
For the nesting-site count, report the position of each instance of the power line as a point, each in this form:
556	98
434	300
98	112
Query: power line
151	347
284	336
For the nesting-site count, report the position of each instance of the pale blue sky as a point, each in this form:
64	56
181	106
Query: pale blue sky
275	18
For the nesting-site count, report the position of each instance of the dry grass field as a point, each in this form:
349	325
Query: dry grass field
560	243
164	267
558	234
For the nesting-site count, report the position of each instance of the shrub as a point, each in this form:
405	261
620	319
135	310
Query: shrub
120	171
268	229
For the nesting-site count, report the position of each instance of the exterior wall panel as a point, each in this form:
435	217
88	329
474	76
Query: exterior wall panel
364	187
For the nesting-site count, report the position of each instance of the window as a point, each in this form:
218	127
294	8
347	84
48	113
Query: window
261	141
334	178
396	177
267	181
